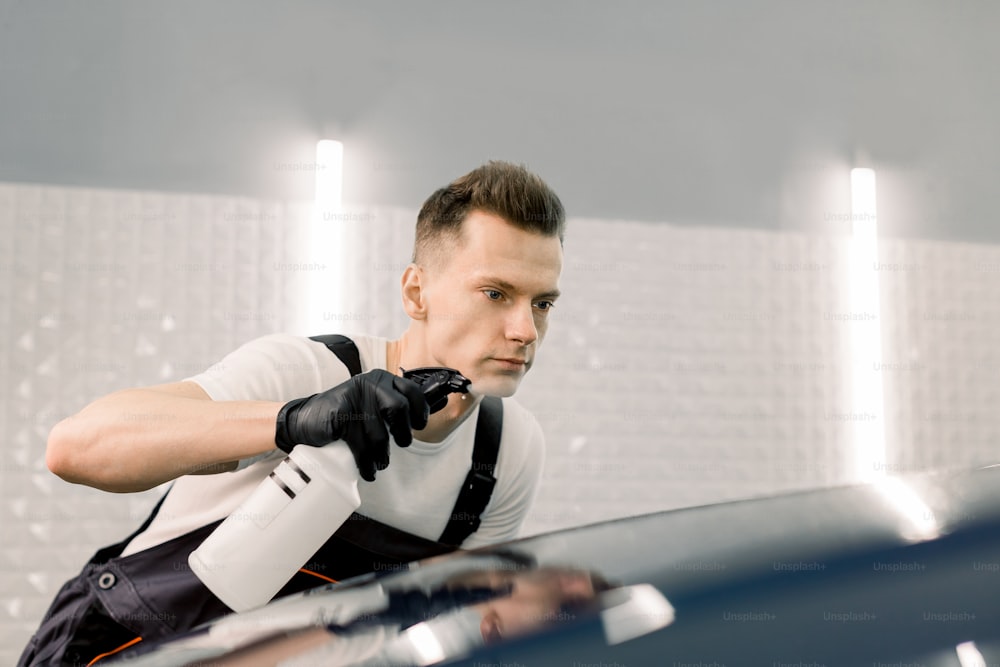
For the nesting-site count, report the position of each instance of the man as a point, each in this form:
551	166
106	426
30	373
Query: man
485	270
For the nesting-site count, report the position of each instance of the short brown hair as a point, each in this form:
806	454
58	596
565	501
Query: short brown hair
503	189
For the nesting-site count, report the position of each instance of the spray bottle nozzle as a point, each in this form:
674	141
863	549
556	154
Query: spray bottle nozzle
437	382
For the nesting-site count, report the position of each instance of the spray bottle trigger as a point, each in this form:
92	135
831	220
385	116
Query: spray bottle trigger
437	382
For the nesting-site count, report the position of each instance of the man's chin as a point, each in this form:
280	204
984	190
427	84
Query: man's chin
501	387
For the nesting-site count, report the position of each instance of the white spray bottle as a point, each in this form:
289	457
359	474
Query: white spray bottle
293	512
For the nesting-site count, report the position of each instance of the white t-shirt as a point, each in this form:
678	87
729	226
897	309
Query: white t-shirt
416	493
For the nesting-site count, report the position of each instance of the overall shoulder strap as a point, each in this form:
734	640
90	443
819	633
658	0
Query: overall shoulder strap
344	348
479	483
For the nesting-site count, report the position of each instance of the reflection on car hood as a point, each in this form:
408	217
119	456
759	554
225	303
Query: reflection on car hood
622	572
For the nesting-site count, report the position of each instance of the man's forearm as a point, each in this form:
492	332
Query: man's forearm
135	439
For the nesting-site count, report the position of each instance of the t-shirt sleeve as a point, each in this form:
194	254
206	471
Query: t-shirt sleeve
507	509
276	367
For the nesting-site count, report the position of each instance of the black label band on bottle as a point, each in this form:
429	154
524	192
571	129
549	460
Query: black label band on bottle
295	467
284	487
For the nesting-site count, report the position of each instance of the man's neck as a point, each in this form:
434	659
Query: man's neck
443	422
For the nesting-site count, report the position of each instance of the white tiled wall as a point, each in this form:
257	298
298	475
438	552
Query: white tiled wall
683	365
102	290
941	312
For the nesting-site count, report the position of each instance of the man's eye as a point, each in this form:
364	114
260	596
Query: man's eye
493	294
545	305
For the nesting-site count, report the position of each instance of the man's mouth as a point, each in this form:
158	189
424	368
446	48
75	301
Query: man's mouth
511	363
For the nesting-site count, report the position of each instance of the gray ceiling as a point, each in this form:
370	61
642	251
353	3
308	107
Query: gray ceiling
709	113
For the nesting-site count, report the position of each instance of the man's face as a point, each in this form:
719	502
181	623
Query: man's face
487	304
537	600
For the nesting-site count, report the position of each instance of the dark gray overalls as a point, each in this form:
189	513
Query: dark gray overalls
115	603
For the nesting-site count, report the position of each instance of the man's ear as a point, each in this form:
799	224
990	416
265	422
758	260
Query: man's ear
489	627
412	290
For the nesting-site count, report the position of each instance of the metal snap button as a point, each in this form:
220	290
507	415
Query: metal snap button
107	580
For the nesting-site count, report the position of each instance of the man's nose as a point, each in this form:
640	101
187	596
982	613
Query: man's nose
576	585
521	325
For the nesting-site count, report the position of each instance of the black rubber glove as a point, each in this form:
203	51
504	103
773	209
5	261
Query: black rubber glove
357	412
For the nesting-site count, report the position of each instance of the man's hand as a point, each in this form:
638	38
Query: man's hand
357	412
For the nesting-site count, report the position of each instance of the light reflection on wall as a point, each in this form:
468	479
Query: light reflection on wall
868	413
326	253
